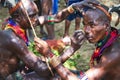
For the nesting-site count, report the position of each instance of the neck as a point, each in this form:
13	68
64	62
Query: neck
17	29
105	43
104	40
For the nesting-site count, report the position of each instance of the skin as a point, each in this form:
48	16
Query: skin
106	65
10	57
67	26
94	29
76	42
68	23
13	49
96	24
46	9
110	55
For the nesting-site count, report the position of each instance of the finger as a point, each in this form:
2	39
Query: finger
78	31
80	38
36	40
79	35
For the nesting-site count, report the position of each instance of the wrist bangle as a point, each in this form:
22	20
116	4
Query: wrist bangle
70	9
50	20
54	61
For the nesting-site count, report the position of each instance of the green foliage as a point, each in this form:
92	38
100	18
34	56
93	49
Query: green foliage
31	47
70	63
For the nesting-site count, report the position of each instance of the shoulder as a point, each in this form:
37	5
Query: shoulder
111	53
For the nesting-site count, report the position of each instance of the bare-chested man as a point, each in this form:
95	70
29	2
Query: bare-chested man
104	62
13	42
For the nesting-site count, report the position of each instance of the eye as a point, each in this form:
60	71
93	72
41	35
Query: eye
32	15
92	25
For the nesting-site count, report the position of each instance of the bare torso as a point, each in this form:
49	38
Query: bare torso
12	50
8	60
109	66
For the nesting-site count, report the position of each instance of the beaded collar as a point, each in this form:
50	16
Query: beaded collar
103	44
11	24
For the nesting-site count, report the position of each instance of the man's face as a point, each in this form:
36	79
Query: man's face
26	14
24	22
95	29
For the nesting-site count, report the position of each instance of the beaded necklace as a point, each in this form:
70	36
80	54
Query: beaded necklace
11	24
103	44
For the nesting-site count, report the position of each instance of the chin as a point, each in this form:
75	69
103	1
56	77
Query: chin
92	41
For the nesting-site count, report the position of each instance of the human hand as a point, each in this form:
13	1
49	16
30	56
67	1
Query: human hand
77	39
41	46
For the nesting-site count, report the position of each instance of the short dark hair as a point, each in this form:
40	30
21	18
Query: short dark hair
104	16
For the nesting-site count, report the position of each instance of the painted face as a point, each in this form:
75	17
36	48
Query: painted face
95	29
25	12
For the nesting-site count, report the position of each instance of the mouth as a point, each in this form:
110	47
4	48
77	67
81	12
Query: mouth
89	37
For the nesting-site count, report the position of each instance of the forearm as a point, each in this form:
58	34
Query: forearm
95	73
65	73
60	16
37	64
41	67
60	44
67	54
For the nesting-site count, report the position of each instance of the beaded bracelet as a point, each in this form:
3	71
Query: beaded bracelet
54	61
50	20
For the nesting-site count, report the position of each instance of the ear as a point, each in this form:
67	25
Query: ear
107	26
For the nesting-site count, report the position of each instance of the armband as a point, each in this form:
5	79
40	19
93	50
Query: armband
70	9
50	20
54	61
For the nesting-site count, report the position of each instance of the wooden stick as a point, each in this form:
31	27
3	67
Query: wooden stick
29	20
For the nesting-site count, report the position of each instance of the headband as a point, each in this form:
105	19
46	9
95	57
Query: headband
104	10
15	8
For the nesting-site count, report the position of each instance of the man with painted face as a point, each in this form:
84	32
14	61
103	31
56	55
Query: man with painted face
104	63
13	42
